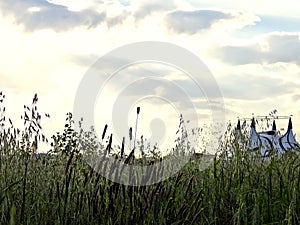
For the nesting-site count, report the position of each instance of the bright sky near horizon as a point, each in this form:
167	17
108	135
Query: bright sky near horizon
251	48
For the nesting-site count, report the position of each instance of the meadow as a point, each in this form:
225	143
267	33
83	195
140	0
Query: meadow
61	188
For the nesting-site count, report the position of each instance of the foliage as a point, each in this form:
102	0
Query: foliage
61	188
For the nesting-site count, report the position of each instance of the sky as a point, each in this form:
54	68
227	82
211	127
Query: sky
251	48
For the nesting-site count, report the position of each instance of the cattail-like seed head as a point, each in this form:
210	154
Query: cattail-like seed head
109	143
104	131
35	99
130	133
123	146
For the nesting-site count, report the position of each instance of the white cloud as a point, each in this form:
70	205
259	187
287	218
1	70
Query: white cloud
199	20
255	6
271	48
146	8
77	5
193	21
271	23
248	86
35	15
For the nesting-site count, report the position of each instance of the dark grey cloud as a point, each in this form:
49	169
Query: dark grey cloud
50	15
253	87
278	47
117	20
194	21
146	8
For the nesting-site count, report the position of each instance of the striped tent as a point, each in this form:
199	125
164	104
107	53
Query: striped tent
270	140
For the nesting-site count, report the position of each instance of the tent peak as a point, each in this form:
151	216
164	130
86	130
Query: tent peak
253	123
274	125
290	126
238	126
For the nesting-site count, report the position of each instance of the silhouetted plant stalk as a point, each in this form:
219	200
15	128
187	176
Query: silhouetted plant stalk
136	126
123	147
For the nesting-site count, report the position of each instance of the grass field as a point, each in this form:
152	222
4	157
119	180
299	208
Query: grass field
61	188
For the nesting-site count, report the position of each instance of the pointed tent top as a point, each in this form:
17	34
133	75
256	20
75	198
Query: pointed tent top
274	125
238	126
253	123
290	126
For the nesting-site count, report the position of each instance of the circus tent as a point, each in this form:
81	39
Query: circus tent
271	140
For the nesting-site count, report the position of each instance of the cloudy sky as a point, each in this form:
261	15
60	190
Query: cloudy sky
251	48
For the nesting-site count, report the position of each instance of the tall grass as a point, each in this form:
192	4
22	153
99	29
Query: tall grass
61	188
